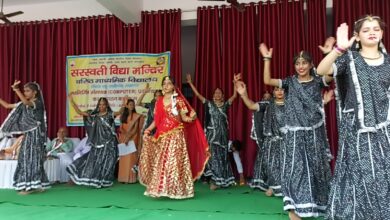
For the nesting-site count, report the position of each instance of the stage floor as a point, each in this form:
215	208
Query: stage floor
126	201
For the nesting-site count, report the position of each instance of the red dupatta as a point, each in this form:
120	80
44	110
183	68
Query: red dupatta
197	145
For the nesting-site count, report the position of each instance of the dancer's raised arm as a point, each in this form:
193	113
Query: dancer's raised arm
6	104
75	107
343	43
267	56
236	78
124	102
141	97
189	81
328	45
22	98
240	87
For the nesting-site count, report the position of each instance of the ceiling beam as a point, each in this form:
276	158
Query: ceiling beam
127	11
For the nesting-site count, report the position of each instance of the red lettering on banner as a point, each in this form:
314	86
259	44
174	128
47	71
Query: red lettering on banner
90	71
146	69
114	69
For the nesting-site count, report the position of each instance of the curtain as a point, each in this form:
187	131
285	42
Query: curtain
36	51
208	53
350	11
227	43
161	31
240	55
316	27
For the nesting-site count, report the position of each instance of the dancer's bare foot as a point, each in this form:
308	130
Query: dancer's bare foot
269	192
242	180
23	192
70	183
293	216
213	186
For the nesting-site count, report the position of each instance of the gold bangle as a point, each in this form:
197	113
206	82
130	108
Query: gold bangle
267	58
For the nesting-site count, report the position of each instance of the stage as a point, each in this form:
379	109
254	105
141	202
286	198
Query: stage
126	201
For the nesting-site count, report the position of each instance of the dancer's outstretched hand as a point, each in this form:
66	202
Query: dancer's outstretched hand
343	41
236	77
328	45
146	132
328	96
16	84
265	52
147	88
124	100
241	88
193	116
70	97
188	78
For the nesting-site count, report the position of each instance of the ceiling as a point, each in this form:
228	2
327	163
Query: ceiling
29	2
129	11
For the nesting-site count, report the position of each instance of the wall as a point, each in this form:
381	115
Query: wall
53	10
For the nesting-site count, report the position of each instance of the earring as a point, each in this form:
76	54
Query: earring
357	45
382	47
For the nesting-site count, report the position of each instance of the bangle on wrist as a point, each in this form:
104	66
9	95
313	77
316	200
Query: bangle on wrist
339	50
267	58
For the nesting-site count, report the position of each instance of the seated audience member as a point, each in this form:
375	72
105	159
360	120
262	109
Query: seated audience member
60	144
81	149
61	147
5	141
11	149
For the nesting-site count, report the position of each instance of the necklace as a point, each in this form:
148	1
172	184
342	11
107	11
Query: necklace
305	80
102	113
370	58
279	102
218	104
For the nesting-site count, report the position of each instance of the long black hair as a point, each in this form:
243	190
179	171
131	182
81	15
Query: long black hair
356	46
219	89
359	23
126	111
306	56
237	145
109	110
303	54
155	92
35	87
168	77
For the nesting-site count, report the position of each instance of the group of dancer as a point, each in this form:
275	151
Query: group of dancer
288	127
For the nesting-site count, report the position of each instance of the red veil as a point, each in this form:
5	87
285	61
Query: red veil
197	145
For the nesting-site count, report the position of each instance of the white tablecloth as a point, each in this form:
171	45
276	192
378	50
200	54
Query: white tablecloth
8	167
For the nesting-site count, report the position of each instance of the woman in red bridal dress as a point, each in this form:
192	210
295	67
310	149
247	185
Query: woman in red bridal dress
177	153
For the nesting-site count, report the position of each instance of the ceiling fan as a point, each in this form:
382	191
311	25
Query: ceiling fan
239	6
4	17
